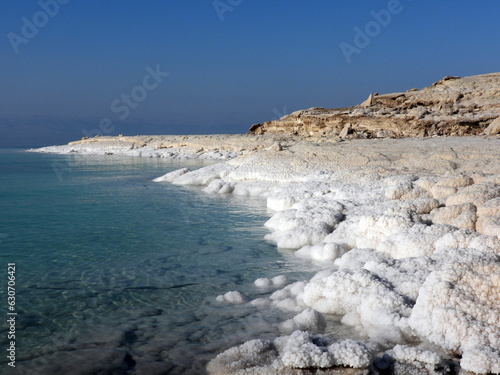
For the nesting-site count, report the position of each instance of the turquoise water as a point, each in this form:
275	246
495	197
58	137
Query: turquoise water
116	274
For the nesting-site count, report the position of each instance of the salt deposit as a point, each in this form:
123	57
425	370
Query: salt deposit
234	297
409	235
300	350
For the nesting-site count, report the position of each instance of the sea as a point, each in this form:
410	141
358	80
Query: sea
111	273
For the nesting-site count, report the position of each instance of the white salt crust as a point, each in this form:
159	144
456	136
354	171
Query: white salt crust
404	264
408	232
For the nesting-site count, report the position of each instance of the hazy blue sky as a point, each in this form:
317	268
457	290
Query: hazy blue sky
67	65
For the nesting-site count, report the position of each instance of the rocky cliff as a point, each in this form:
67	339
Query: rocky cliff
453	106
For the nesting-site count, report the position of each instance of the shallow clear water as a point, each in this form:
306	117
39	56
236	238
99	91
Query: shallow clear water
116	274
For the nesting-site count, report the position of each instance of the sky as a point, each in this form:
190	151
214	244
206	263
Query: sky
74	68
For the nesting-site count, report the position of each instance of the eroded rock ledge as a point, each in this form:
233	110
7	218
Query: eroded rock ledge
453	106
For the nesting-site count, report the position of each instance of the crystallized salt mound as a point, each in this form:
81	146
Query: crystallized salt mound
458	215
321	252
220	187
381	311
418	240
489	208
293	218
442	187
288	299
456	180
469	239
232	297
420	205
405	191
305	225
491	226
476	194
457	307
300	350
203	176
169	177
368	226
248	358
307	320
298	237
482	360
423	359
277	281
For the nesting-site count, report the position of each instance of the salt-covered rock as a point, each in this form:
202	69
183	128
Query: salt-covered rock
382	311
219	186
439	191
458	215
456	180
476	194
203	176
405	191
489	208
169	177
493	128
322	252
457	306
419	358
481	360
419	240
307	320
491	225
286	354
277	281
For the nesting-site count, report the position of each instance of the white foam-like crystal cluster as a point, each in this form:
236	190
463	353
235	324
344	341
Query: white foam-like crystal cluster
408	259
304	225
419	358
276	281
307	320
300	350
481	360
233	297
457	309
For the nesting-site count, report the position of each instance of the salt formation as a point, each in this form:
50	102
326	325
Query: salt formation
300	350
276	281
411	263
234	297
408	232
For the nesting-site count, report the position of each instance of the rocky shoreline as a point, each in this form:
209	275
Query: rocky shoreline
453	106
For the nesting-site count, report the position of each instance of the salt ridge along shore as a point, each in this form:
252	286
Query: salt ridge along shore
408	232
